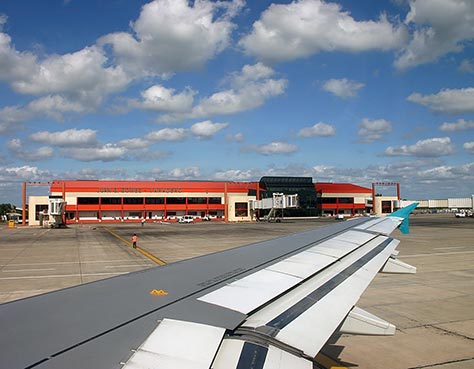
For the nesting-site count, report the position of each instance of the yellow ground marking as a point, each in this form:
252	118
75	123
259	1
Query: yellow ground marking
158	293
150	256
328	362
139	249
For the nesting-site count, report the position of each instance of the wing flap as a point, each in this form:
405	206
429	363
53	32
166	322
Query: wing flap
359	321
178	344
396	266
307	316
238	353
249	293
381	225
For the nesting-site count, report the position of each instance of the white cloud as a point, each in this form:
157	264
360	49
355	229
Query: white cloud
469	147
80	73
51	106
442	27
466	66
460	125
443	173
17	148
82	76
107	152
70	83
15	144
3	20
274	148
13	64
318	130
77	82
448	101
237	137
249	89
24	173
373	130
174	35
168	134
134	143
12	116
237	175
342	88
207	129
185	173
161	99
69	137
306	27
432	147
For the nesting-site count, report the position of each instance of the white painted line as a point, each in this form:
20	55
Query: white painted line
76	262
450	248
126	266
28	270
436	254
62	276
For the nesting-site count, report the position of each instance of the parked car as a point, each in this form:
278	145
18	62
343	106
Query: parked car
460	215
186	219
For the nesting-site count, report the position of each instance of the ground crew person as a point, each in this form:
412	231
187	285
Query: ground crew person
134	240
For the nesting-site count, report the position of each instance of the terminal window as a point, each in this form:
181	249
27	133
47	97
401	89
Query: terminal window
241	209
88	200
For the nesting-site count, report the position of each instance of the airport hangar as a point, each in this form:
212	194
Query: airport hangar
92	201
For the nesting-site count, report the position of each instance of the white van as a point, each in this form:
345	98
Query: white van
186	219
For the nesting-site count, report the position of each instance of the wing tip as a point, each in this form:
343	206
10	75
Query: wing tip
404	213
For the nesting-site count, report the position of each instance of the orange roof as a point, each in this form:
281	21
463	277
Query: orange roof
328	187
149	186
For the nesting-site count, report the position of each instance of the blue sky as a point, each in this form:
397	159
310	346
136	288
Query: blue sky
342	91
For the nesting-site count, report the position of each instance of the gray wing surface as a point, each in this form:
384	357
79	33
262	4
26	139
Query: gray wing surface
268	305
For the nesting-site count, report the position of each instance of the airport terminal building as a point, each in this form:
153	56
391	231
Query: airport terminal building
343	198
93	201
128	201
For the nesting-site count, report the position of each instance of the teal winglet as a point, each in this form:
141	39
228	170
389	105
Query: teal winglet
404	213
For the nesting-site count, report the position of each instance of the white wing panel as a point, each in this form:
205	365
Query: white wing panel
228	354
248	293
342	244
177	344
386	226
277	307
230	357
279	359
368	224
358	238
335	248
313	327
302	265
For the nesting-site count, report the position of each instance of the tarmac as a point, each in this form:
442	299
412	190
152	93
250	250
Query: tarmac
433	309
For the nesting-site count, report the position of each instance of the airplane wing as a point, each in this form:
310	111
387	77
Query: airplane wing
268	305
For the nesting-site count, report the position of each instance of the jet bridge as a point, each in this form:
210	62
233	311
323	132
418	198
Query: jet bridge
276	204
56	209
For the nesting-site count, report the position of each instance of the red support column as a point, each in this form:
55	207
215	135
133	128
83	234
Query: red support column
226	210
164	208
373	198
64	198
23	200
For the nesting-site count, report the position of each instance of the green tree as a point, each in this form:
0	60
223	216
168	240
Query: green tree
7	208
